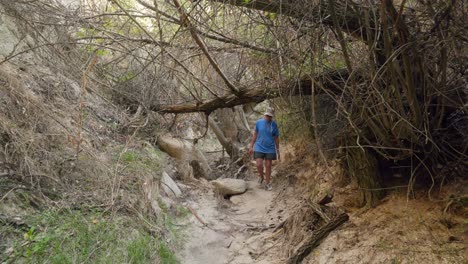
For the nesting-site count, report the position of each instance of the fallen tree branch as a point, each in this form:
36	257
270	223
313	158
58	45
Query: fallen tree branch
279	226
318	210
325	199
308	244
240	170
196	216
260	228
332	81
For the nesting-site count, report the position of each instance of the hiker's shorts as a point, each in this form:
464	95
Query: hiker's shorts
265	156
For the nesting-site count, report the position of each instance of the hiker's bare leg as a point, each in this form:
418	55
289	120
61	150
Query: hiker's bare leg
259	167
267	171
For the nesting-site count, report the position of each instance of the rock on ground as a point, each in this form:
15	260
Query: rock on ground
230	186
169	186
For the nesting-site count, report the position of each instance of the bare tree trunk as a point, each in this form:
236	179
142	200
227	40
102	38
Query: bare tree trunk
232	131
244	118
363	167
232	147
228	123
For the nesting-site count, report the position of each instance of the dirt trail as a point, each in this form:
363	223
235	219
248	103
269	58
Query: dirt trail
235	231
241	230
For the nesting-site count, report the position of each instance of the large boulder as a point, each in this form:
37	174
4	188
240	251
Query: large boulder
230	186
169	186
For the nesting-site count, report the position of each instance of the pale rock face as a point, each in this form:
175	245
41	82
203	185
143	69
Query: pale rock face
230	186
169	186
7	38
70	3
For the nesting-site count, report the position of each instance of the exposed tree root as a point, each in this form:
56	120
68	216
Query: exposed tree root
308	226
308	244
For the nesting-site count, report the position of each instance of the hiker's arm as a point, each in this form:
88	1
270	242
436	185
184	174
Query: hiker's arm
277	148
252	142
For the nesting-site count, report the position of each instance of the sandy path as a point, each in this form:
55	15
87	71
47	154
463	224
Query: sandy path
234	233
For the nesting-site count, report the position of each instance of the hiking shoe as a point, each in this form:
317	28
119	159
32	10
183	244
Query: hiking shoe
260	180
268	187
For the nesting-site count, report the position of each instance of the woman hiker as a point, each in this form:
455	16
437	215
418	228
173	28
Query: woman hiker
265	146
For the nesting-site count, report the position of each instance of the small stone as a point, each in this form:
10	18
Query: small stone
236	200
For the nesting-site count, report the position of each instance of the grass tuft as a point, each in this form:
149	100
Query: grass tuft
73	236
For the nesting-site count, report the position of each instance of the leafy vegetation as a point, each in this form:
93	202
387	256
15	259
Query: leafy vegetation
139	160
73	236
381	83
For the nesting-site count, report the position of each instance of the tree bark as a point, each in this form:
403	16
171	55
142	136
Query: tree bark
232	149
363	167
333	81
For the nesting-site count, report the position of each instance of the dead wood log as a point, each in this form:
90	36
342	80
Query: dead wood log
318	210
308	244
316	207
327	198
333	81
196	216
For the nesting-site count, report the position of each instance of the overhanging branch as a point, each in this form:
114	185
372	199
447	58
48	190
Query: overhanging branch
216	36
350	15
332	81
